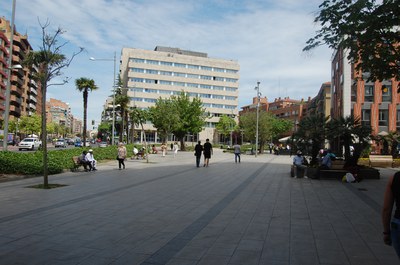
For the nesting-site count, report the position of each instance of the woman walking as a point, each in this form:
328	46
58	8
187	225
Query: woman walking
121	155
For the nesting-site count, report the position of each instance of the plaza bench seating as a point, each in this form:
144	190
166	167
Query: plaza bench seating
76	163
381	161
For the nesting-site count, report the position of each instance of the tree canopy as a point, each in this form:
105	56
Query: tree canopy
225	125
368	29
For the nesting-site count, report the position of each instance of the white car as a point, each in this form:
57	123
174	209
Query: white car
60	143
30	143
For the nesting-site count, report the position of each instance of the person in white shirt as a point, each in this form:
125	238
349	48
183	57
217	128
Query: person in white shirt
90	158
175	147
298	162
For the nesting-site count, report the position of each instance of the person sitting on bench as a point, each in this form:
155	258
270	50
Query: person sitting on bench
84	162
299	163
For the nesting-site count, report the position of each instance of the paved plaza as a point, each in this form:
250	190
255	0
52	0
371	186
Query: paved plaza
169	211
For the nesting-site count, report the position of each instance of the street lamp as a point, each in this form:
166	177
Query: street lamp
257	108
114	87
8	88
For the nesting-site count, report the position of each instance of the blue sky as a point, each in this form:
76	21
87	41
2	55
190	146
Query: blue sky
265	37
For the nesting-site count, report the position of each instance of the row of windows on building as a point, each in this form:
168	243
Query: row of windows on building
205	105
183	65
174	92
173	83
184	75
383	116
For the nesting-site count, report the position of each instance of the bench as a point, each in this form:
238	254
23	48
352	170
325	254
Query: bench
76	163
381	161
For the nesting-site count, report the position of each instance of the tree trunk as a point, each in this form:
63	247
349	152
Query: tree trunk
85	98
44	137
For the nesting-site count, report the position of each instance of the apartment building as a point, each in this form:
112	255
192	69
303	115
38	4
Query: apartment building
59	112
376	103
25	94
148	75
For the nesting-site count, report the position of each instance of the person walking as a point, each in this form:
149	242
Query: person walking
175	147
208	151
198	149
391	226
121	155
163	149
236	149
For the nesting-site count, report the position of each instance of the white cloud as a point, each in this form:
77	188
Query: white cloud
266	37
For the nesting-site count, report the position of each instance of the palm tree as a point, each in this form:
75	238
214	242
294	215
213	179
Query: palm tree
85	85
123	102
311	130
349	131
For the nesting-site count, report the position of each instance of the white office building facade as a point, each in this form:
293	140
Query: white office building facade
148	75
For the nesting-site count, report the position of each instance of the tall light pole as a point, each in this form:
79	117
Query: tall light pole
257	109
113	90
8	88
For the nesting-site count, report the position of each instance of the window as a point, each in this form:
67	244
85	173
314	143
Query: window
219	106
179	83
205	77
205	95
218	87
192	66
369	93
231	71
151	62
164	82
386	93
383	117
233	89
148	90
398	119
218	69
232	80
218	96
192	76
137	70
230	107
138	80
181	65
166	63
192	85
152	72
165	73
206	68
230	98
179	74
218	78
205	86
151	100
136	60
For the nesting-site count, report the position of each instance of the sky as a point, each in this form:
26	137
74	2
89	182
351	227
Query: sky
266	37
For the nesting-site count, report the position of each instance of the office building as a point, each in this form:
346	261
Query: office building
148	75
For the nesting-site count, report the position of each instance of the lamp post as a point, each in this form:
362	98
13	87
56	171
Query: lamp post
113	90
257	108
8	88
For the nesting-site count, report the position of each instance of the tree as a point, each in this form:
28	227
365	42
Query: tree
190	116
104	130
368	29
49	62
349	131
30	124
225	126
268	127
122	102
164	116
85	85
139	117
311	131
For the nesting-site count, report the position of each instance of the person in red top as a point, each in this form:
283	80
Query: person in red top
391	225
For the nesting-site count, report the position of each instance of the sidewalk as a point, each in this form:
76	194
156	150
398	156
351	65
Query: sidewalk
170	212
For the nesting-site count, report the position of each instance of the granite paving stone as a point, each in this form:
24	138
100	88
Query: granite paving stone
170	212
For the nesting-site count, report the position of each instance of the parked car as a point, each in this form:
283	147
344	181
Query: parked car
60	143
69	141
78	144
103	144
30	143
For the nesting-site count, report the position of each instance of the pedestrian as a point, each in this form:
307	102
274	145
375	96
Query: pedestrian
92	161
163	149
198	149
175	147
207	151
236	149
121	155
299	163
172	146
391	226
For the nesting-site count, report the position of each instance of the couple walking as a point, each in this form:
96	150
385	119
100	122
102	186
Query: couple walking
207	151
